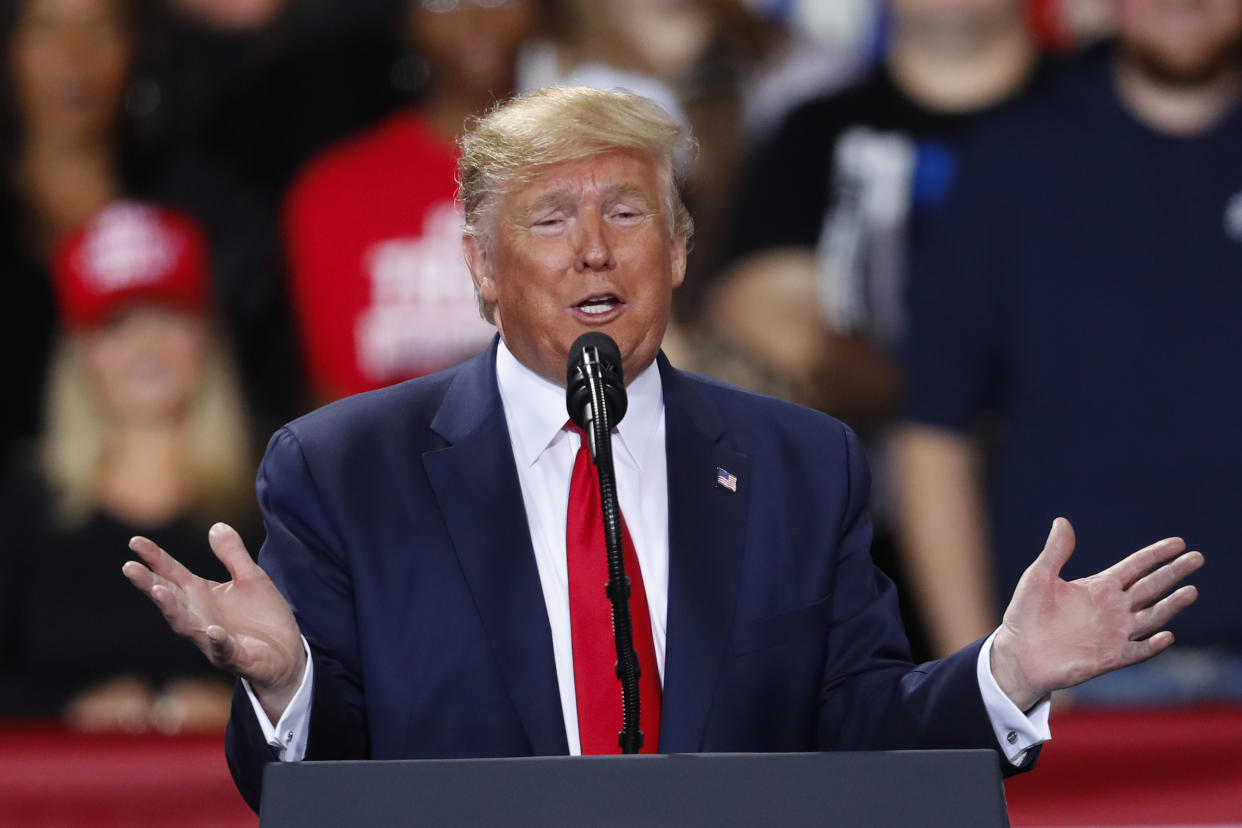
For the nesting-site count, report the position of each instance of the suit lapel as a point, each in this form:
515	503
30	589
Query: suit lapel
707	527
477	488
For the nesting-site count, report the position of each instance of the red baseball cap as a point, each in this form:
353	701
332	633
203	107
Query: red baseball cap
130	251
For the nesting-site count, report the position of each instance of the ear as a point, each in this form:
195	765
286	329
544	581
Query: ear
678	253
480	264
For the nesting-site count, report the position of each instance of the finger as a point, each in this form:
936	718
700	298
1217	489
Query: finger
149	583
1129	569
1057	549
1159	614
1153	585
229	548
139	576
161	562
167	597
1136	652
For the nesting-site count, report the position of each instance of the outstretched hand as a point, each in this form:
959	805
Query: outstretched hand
1058	633
244	625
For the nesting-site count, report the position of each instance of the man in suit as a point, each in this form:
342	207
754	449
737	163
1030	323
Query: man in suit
415	598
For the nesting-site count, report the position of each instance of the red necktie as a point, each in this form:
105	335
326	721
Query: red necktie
590	619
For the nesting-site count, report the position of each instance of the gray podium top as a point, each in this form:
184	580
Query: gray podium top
928	789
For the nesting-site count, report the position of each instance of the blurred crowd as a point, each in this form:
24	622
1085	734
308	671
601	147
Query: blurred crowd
1001	239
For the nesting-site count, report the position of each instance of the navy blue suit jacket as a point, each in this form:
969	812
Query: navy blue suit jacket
397	531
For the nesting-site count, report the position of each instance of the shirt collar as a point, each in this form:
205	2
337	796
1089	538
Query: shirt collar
536	415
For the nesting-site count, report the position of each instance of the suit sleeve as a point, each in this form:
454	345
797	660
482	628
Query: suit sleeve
871	697
308	561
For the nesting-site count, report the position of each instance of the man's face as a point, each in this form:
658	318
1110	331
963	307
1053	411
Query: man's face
1181	42
584	247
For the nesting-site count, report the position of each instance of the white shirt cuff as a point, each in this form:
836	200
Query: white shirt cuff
288	735
1016	731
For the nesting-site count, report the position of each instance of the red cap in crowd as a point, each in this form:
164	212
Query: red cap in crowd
127	252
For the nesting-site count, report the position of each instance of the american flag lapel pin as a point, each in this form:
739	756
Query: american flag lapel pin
725	480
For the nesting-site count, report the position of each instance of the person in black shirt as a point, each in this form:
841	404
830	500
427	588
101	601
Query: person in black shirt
815	262
1073	337
814	274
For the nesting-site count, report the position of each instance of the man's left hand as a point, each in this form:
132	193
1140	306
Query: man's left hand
1058	633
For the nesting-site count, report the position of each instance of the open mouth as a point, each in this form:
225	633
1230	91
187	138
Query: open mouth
598	305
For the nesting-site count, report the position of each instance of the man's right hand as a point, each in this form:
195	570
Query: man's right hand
244	626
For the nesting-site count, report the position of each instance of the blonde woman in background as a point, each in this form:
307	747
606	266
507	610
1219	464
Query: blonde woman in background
145	433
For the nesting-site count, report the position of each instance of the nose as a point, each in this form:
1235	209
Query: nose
593	251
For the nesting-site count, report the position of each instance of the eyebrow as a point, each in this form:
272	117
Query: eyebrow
624	189
553	198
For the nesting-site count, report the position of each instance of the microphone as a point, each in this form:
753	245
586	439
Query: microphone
595	397
594	380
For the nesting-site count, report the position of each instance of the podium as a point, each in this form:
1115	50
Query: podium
929	789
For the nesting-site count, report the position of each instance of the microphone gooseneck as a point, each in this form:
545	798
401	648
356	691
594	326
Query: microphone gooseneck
596	399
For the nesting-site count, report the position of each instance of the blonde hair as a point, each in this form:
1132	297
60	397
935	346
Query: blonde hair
520	139
217	451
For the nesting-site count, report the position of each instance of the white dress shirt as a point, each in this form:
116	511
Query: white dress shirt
544	453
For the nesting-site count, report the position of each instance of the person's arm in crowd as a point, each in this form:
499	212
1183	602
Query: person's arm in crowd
943	534
768	302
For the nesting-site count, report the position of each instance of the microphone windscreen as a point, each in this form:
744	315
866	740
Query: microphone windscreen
604	344
577	393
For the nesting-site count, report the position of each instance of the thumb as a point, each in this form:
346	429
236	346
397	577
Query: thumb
1057	549
228	547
